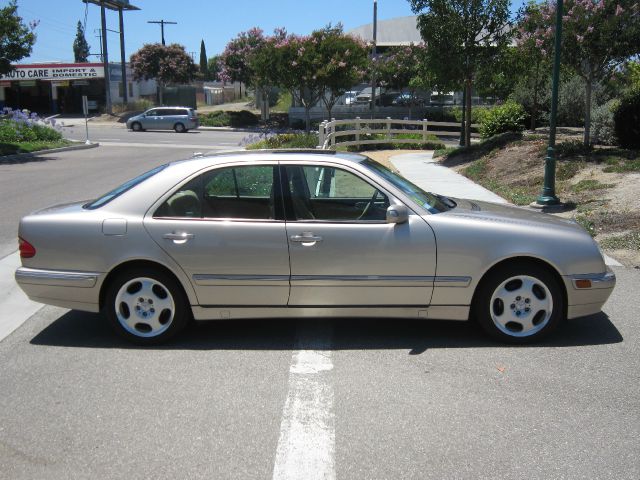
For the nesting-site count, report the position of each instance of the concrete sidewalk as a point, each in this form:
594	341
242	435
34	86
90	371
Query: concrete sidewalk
429	175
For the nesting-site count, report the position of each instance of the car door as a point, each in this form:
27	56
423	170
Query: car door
225	228
342	250
150	120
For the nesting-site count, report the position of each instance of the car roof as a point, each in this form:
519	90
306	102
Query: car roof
272	155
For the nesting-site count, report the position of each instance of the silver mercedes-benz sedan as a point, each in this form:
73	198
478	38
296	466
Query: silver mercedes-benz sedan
305	234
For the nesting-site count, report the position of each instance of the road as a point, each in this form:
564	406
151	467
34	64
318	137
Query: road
282	399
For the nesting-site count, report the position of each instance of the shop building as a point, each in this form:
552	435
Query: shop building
52	88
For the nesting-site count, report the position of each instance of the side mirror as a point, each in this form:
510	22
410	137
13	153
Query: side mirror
397	214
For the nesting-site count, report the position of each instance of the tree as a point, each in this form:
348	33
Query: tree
597	37
16	38
460	36
265	64
300	63
235	58
166	64
214	68
342	62
204	66
404	68
80	46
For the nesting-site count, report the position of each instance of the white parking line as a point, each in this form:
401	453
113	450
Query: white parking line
15	306
307	433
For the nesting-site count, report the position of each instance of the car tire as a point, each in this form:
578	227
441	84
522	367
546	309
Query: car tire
519	303
146	306
136	127
179	128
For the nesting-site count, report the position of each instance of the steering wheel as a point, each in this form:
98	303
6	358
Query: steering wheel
369	206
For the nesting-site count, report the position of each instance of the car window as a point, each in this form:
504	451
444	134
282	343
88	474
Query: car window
107	197
426	200
152	113
234	193
326	193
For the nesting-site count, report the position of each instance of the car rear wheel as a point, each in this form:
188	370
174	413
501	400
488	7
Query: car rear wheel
519	303
146	306
179	127
136	126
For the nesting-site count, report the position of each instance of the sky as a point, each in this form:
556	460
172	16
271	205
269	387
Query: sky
214	21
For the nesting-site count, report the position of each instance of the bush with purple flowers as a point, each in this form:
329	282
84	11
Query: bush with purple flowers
17	126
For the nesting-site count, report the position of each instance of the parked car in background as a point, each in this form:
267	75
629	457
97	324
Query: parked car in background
306	234
180	119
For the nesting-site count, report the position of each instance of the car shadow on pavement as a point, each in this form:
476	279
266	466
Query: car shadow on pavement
86	330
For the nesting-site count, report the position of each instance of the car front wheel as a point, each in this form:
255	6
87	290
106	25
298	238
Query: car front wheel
146	306
136	127
519	303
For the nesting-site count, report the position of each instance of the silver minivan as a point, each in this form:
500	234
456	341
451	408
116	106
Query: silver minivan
180	119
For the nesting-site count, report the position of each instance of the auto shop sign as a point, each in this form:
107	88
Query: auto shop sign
73	71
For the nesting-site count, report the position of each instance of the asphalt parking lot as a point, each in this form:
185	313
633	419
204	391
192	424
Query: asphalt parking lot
408	399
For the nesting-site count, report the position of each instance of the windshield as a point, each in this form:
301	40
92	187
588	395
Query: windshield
107	197
428	201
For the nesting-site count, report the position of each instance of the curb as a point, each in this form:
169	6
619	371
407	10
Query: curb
17	156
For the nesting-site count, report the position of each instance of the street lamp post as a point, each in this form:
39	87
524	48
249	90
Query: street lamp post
548	194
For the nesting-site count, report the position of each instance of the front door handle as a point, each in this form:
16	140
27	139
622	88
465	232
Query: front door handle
178	237
306	237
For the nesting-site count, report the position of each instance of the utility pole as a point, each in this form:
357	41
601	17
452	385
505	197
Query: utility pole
162	23
374	55
105	59
123	64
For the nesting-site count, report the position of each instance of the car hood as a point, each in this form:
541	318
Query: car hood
502	213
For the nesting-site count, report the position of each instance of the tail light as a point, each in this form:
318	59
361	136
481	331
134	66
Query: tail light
26	249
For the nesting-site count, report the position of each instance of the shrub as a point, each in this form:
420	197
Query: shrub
572	148
22	126
627	120
137	106
602	124
509	117
272	140
477	113
243	118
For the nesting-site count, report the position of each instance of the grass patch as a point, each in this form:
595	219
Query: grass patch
10	148
568	169
441	152
630	241
584	185
622	166
587	224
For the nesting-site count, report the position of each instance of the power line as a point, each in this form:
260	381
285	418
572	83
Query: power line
162	23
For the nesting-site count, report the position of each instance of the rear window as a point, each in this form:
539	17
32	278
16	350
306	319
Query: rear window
107	197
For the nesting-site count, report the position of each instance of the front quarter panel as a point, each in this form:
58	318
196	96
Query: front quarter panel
470	247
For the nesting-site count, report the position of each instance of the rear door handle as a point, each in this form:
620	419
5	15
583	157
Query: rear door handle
178	237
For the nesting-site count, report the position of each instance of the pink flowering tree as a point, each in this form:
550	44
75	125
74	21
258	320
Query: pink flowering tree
342	62
404	68
235	58
264	63
597	37
533	59
166	64
300	62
